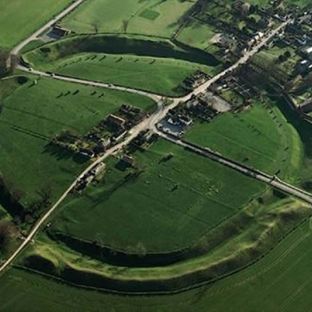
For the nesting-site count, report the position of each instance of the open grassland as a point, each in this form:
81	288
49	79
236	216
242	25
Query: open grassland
284	269
259	228
33	114
156	18
157	75
168	206
199	35
20	18
259	136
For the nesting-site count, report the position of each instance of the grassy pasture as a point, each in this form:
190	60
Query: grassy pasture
20	18
260	137
156	18
199	35
158	75
33	114
249	243
285	270
180	200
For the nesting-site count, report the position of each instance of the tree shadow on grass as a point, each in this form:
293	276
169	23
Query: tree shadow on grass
62	154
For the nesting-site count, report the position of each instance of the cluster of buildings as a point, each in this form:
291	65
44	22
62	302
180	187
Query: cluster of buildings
192	82
106	134
181	118
56	32
297	36
89	177
239	28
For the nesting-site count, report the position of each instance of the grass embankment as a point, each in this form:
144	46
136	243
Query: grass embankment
135	45
270	224
20	18
259	137
154	65
158	75
33	114
154	17
285	270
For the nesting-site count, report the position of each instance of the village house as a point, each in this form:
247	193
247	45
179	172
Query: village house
59	32
307	53
116	121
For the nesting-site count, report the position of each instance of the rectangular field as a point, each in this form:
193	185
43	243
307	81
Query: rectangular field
156	18
259	137
199	35
180	199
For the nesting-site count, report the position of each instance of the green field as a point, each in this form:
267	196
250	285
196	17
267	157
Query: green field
278	282
199	35
174	231
20	18
180	200
259	136
158	75
156	18
33	114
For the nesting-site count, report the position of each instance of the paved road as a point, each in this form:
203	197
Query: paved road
253	173
148	123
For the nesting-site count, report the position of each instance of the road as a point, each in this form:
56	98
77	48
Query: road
45	27
134	132
248	171
156	97
148	123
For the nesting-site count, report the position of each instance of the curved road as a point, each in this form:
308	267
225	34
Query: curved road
148	123
156	97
